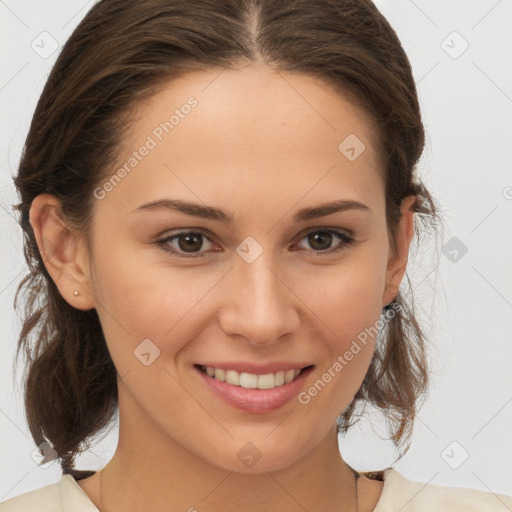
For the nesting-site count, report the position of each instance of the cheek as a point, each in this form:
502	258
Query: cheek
349	298
139	299
348	304
144	311
339	375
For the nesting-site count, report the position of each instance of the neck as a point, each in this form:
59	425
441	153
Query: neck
151	471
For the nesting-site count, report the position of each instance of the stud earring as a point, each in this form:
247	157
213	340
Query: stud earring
75	292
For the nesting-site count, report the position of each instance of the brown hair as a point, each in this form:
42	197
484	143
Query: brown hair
120	53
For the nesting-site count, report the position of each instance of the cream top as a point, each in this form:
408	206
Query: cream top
398	494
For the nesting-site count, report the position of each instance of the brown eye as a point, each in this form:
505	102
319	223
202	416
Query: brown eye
187	244
321	240
190	242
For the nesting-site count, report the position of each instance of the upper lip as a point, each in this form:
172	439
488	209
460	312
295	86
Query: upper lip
258	369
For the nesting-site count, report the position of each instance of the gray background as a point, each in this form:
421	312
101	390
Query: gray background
463	434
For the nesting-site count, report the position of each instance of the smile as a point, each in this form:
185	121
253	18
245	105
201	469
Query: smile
252	380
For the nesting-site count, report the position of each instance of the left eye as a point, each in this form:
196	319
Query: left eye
325	237
188	243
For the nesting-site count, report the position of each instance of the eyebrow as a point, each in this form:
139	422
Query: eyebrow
217	214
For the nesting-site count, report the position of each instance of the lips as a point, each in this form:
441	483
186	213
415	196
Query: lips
258	399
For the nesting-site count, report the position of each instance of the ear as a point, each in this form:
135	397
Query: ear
62	250
397	262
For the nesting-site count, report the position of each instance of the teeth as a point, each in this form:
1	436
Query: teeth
220	375
251	380
233	377
247	380
279	379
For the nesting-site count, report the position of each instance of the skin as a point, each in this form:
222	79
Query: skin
261	145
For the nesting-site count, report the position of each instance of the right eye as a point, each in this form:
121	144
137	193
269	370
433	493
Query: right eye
184	244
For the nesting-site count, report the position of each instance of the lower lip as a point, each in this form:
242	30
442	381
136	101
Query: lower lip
255	400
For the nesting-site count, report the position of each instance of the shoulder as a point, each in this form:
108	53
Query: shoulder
401	493
62	496
45	499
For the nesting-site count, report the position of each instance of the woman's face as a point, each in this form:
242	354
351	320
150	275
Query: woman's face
262	282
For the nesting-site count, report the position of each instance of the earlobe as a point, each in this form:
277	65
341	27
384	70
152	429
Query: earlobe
60	251
397	262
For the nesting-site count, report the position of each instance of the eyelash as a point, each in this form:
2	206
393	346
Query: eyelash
346	239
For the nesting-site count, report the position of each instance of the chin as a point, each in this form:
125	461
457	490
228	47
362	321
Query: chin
257	457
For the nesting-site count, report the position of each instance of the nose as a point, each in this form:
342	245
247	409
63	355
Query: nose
258	303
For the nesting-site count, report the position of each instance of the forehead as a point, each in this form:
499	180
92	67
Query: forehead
251	133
